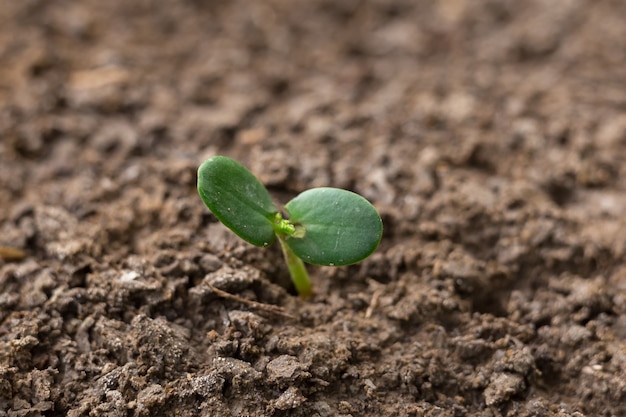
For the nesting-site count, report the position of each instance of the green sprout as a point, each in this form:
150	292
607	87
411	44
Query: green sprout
325	226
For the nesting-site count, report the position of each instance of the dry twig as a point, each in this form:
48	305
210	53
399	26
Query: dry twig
253	304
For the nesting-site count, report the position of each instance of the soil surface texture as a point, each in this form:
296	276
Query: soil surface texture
489	134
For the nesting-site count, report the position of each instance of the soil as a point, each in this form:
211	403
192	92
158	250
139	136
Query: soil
490	135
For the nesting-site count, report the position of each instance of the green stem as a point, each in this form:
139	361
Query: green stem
297	270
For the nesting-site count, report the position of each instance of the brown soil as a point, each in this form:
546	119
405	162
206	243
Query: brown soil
490	134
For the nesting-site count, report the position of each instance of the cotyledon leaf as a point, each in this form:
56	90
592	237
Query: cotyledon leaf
340	227
237	198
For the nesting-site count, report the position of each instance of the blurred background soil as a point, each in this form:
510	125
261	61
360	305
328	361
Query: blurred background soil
491	136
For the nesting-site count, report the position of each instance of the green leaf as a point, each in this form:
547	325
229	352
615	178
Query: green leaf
237	199
340	227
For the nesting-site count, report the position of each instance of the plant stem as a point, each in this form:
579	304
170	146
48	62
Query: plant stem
297	270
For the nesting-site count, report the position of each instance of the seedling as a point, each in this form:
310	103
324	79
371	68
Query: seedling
325	226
